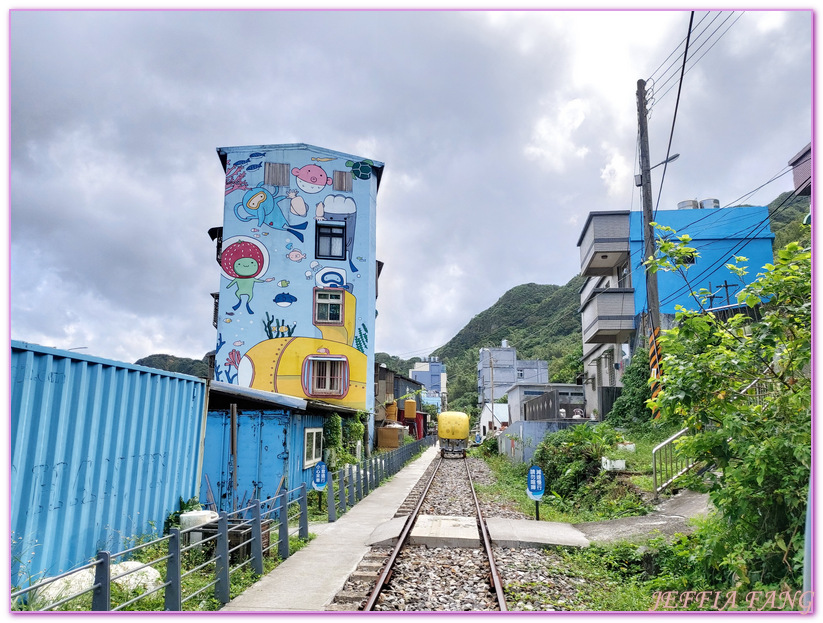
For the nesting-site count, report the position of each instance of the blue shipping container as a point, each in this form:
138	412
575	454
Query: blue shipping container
101	451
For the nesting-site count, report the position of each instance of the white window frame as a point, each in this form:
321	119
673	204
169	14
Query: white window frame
312	455
328	369
339	301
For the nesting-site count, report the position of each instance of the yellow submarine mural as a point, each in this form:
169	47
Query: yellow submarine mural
288	365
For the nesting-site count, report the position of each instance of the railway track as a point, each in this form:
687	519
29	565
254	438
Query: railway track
467	577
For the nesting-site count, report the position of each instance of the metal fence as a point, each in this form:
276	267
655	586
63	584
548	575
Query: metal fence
204	557
352	483
193	560
667	464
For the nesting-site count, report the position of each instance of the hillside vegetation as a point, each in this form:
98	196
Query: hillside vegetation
181	365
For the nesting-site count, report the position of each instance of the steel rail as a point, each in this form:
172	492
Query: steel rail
401	541
494	576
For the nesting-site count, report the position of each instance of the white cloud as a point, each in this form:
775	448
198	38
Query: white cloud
552	142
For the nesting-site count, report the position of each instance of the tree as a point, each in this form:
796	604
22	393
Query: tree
743	388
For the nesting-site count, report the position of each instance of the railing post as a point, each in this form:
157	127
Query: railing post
221	571
304	512
256	539
341	489
330	500
359	482
351	486
101	597
172	597
366	475
284	526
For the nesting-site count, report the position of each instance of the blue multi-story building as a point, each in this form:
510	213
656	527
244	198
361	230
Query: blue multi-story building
614	298
295	311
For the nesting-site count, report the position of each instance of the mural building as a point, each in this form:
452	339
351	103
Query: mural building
296	306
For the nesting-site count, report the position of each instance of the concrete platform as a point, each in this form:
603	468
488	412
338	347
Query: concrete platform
445	531
531	533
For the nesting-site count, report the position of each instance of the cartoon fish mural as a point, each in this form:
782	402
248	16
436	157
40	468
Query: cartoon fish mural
323	159
257	154
296	255
284	283
239	343
284	299
240	163
311	178
253	167
227	320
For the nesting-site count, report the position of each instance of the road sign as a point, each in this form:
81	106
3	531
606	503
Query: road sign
320	476
535	487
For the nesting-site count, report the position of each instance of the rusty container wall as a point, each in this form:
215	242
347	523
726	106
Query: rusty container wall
101	451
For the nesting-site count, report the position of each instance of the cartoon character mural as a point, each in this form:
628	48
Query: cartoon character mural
262	204
311	178
291	350
242	260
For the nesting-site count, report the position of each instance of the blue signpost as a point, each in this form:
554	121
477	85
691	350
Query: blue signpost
535	487
320	477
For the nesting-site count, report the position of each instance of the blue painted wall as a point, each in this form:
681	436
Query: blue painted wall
100	450
718	235
277	200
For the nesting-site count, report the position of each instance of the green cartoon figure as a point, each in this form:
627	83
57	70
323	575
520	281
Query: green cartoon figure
243	261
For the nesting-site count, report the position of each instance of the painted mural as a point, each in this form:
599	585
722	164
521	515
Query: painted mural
296	306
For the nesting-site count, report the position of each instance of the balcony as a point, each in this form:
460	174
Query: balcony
608	316
604	243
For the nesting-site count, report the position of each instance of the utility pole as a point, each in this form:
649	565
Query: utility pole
491	368
652	297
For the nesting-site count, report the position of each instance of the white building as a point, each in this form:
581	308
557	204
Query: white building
491	421
499	368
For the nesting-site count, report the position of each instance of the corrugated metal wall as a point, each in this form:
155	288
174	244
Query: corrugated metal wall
260	458
99	449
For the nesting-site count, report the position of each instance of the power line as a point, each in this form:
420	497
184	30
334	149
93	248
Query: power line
695	61
660	83
651	78
674	118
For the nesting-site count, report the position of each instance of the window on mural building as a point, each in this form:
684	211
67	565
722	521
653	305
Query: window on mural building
330	241
326	376
342	181
328	307
313	443
276	174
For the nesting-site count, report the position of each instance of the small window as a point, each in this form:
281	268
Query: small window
313	444
328	307
276	174
326	376
330	241
342	181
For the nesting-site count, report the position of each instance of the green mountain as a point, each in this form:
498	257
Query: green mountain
181	365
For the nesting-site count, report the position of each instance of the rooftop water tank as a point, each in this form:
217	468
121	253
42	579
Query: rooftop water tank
707	204
689	204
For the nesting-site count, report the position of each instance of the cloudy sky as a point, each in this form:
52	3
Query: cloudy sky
500	132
